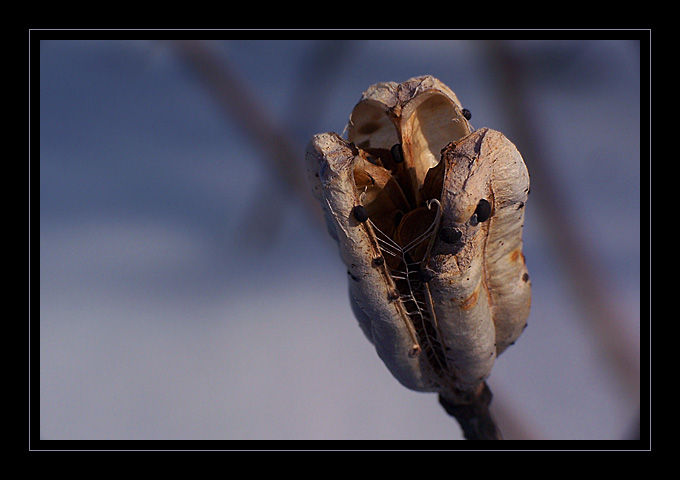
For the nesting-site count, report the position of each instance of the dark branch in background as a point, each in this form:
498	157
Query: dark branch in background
316	76
237	99
577	258
282	157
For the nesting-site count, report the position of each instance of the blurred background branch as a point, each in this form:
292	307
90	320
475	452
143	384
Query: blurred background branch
576	257
236	98
282	156
281	150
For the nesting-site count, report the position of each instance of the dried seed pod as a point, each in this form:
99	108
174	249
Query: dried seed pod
438	280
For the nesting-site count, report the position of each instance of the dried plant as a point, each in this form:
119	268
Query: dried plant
428	215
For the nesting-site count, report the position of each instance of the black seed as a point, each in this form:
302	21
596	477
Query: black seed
483	211
450	235
467	114
425	275
378	261
397	153
360	213
525	277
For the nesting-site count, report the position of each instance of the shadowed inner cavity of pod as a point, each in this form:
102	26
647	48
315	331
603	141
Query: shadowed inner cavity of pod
396	184
397	174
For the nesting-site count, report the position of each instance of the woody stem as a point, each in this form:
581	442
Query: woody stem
474	418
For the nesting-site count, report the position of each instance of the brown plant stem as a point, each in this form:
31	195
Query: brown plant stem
474	418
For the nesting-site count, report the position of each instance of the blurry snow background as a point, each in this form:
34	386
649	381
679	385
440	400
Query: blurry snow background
186	293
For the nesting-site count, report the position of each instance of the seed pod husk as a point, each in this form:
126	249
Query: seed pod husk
451	291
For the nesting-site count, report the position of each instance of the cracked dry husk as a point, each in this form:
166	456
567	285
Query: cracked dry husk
436	274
